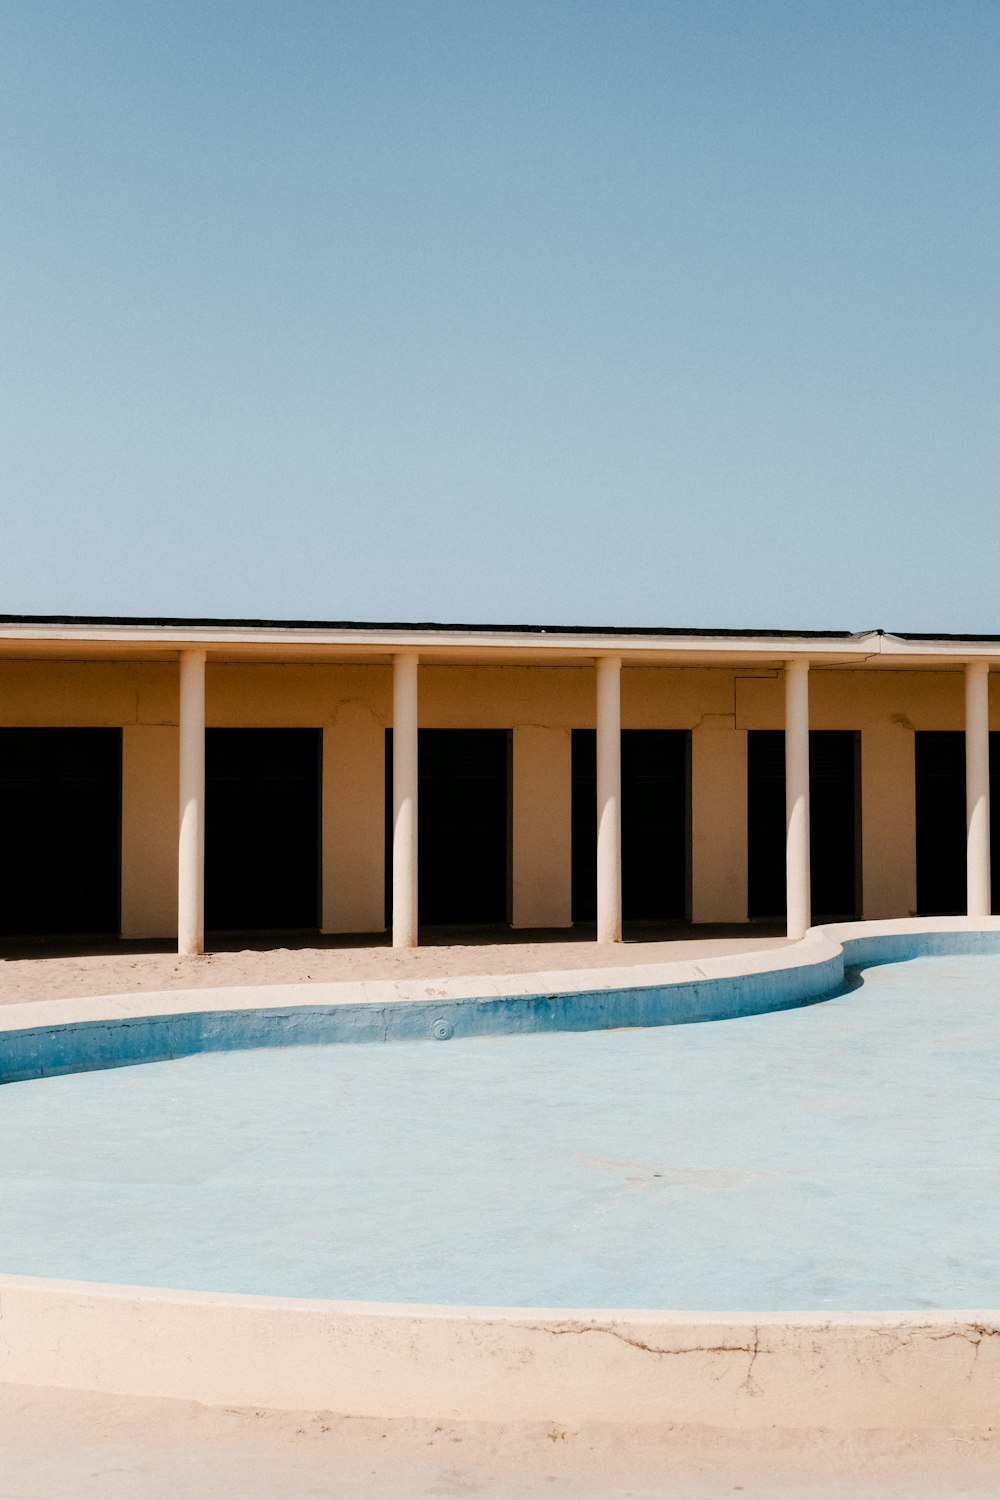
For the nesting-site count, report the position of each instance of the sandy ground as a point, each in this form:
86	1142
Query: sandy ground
57	972
65	1445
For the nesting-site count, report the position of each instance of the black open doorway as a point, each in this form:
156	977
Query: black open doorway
834	823
940	815
60	810
463	825
262	829
655	824
939	756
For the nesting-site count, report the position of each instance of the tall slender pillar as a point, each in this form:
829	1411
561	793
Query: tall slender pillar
609	799
977	786
404	799
797	797
191	837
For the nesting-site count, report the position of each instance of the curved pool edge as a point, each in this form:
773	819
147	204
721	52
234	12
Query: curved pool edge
45	1038
839	1371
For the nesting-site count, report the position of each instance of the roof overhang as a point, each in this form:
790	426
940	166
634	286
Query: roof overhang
347	642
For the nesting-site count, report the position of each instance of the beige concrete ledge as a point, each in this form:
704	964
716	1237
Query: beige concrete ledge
840	1372
844	940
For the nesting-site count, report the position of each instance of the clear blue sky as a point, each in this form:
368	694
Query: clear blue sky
580	311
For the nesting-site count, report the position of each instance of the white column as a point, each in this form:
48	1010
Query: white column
191	840
797	796
404	800
977	786
609	799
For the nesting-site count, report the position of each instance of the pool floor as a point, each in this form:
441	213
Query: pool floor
843	1155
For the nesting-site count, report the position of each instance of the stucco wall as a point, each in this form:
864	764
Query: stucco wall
718	821
354	819
352	705
149	830
541	820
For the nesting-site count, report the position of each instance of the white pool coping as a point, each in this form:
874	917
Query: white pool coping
840	1371
819	945
376	992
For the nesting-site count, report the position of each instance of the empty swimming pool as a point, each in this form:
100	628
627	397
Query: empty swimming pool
841	1155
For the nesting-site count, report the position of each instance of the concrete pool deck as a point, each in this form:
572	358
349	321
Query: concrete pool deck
843	1370
61	969
114	1448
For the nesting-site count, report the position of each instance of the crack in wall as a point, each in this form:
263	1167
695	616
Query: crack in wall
748	1384
973	1334
559	1330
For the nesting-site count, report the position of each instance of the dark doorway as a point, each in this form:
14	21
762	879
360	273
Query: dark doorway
655	824
262	829
834	823
60	811
463	825
940	813
941	820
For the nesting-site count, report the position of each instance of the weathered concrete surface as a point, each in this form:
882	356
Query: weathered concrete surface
40	1039
68	1445
834	1156
36	970
499	1365
842	1371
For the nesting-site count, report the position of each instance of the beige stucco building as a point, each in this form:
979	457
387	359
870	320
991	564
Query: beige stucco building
546	816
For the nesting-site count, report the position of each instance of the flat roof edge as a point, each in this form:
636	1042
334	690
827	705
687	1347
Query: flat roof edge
213	623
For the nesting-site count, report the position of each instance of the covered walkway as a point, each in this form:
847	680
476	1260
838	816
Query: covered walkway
188	779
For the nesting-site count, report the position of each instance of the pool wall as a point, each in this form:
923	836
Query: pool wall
78	1046
838	1371
44	1039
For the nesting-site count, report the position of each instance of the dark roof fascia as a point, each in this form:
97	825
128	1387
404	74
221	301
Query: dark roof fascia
167	622
939	635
